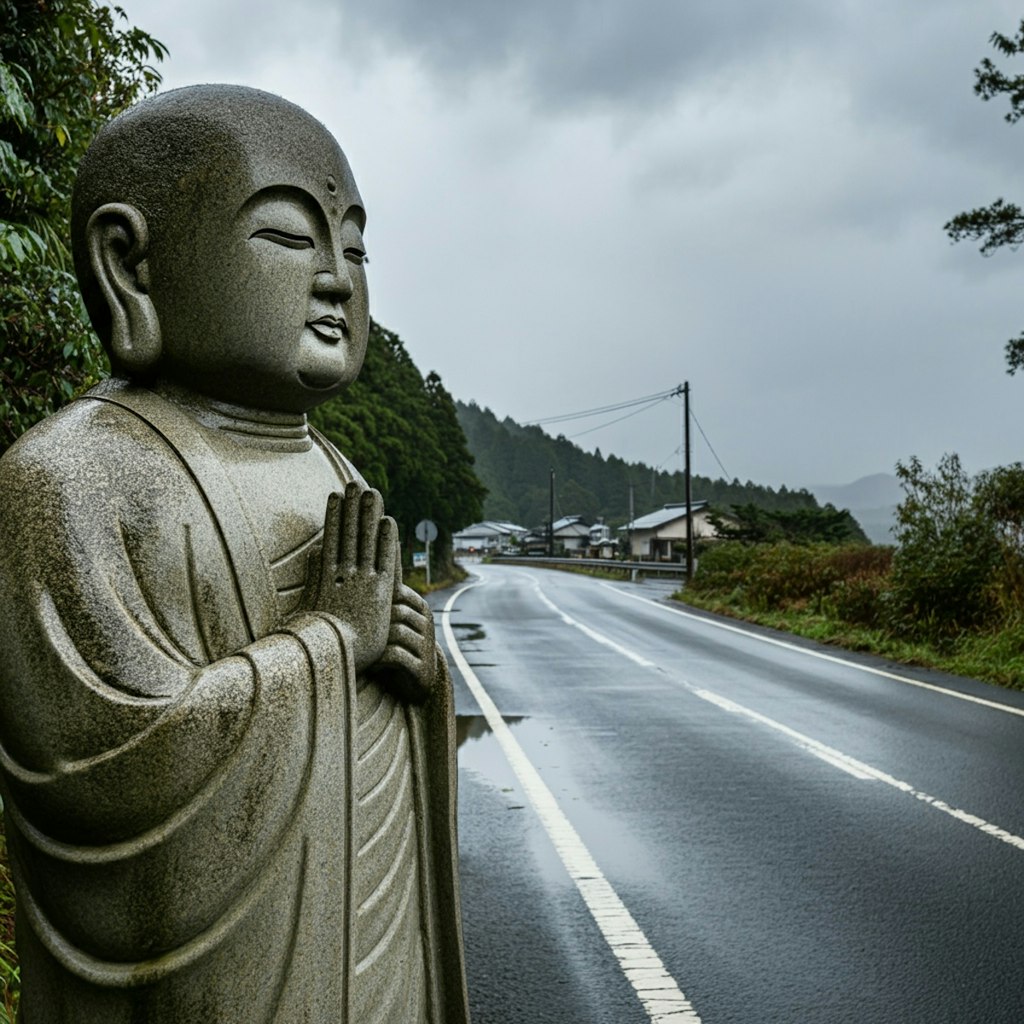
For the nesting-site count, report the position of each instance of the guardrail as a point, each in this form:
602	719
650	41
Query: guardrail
635	569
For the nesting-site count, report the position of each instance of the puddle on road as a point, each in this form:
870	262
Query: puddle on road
480	755
475	727
469	631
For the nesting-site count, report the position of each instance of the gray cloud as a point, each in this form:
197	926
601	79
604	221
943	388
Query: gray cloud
576	202
602	54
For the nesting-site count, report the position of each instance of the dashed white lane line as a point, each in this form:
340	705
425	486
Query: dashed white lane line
858	769
850	765
592	633
656	988
994	704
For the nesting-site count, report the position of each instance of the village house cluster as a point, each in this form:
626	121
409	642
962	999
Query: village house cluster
653	537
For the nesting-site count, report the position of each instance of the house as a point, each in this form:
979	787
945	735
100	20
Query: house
651	537
572	537
489	536
601	543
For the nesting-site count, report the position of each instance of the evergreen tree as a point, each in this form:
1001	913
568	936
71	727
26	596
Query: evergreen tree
403	434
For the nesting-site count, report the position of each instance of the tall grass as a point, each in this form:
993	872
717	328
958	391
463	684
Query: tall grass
849	595
8	958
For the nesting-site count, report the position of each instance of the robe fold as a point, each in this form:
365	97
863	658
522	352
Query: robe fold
177	752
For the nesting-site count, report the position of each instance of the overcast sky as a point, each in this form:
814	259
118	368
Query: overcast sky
573	203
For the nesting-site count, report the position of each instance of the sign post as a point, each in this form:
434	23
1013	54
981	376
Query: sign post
426	531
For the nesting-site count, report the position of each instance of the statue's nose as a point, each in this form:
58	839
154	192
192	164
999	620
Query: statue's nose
334	281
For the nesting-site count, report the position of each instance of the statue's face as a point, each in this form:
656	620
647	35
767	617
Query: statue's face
261	295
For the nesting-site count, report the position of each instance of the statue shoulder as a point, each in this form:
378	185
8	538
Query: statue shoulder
88	455
343	466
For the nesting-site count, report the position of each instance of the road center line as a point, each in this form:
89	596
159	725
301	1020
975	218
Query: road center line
592	633
658	992
836	758
995	705
859	769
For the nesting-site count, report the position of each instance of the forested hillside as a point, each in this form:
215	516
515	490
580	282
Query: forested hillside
401	431
514	462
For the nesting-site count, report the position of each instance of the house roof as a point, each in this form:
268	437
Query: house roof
567	521
491	528
668	514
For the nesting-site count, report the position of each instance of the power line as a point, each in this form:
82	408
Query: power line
708	443
601	410
619	419
671	455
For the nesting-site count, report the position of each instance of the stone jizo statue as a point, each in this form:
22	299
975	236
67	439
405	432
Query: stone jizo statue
226	728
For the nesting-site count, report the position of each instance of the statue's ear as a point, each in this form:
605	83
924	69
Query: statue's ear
118	239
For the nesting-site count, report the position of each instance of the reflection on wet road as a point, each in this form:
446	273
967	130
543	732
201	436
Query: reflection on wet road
739	800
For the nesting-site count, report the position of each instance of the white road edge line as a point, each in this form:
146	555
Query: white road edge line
996	705
656	988
859	769
836	758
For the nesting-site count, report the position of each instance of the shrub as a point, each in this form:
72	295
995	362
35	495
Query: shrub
790	574
944	568
722	568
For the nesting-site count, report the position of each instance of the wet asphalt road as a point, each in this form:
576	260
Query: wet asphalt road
877	878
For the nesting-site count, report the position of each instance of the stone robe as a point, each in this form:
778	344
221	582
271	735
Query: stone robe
180	744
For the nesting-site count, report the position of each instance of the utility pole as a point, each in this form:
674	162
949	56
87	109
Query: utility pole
551	515
629	532
686	474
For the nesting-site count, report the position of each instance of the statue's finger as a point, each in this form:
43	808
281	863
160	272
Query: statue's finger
413	600
332	529
350	525
411	617
396	594
371	508
401	635
387	546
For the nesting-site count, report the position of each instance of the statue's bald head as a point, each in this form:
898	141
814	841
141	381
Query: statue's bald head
217	238
175	155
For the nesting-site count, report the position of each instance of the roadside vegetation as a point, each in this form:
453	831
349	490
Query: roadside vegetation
949	594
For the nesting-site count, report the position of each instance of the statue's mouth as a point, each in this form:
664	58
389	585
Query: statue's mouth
330	329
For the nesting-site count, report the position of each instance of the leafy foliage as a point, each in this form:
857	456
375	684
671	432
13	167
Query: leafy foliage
957	573
757	525
783	575
514	462
66	66
1000	223
9	977
403	434
947	550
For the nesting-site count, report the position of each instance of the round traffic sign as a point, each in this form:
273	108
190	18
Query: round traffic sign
426	530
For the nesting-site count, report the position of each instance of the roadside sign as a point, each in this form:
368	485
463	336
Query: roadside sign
426	530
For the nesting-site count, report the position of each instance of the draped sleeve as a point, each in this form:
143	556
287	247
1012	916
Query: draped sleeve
165	782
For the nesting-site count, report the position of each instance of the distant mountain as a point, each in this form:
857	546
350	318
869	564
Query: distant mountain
872	500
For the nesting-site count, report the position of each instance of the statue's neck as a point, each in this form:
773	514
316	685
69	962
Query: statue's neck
260	428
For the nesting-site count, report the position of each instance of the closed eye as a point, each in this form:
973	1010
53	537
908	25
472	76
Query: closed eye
354	255
285	238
